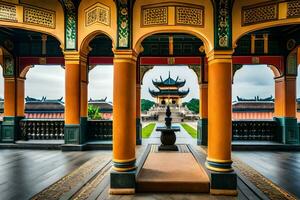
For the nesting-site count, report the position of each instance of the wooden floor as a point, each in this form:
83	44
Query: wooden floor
282	168
24	173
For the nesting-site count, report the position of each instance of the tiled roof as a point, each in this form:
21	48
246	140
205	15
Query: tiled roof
168	82
261	106
44	107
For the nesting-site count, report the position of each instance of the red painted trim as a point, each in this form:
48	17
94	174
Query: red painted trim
101	60
277	61
26	61
154	61
55	61
170	60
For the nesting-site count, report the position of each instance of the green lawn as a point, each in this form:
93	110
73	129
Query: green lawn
190	130
147	130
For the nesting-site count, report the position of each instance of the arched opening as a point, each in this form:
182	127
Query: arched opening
253	92
100	88
44	92
26	49
171	82
184	101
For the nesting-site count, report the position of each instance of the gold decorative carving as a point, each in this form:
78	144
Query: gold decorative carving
155	16
293	8
190	16
38	16
98	13
259	13
8	12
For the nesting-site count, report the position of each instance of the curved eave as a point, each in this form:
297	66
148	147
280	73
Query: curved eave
181	94
162	84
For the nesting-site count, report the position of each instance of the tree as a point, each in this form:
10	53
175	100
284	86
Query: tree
146	105
94	113
192	105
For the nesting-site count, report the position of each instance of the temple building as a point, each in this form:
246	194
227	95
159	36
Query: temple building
55	108
256	108
169	93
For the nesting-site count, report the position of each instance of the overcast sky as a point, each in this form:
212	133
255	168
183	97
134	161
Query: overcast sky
48	81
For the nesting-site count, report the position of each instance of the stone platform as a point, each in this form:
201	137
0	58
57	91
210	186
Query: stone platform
172	172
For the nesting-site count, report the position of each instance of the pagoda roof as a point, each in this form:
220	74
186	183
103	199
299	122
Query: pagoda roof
169	82
44	105
181	94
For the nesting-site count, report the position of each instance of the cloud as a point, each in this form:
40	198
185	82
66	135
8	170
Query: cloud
253	81
101	83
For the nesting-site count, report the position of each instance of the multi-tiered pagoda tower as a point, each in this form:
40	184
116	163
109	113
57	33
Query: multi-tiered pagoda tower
169	93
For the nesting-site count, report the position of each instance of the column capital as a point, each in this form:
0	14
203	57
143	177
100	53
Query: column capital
125	55
220	55
74	57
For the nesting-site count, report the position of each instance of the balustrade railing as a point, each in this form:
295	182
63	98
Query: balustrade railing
42	129
53	129
246	130
99	130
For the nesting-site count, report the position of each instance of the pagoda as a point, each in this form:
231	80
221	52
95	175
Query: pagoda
168	91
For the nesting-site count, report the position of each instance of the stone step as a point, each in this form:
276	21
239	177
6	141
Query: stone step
172	172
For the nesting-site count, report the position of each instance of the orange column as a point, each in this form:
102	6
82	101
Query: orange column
138	101
13	108
14	95
286	110
83	88
219	109
285	97
203	106
10	97
124	106
138	104
138	115
72	92
203	115
75	98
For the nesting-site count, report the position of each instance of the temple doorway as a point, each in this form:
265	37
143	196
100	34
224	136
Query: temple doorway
253	93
